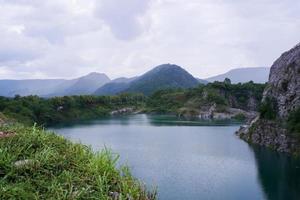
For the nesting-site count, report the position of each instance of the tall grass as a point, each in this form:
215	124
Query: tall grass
55	168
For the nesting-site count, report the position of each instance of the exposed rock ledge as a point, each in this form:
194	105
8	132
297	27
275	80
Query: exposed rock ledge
212	113
270	134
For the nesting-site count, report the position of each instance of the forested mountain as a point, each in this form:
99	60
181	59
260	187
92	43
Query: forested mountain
161	77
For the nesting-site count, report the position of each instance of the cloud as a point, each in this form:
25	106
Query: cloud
69	38
123	17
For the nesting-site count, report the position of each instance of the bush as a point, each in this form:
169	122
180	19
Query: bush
216	98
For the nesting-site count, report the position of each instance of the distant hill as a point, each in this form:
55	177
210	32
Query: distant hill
161	77
10	88
242	75
202	81
124	80
53	87
87	84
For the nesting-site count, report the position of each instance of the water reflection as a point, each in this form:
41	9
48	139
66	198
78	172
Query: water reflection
169	120
279	174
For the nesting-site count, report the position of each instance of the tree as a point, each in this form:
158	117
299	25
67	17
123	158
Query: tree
227	81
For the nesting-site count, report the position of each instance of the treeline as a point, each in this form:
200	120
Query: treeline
51	111
55	110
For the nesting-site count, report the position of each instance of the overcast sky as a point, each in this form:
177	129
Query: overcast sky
70	38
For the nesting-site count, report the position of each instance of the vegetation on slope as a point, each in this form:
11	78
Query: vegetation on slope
35	164
223	94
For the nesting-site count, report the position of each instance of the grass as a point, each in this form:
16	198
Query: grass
59	169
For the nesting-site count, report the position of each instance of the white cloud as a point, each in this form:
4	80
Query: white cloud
68	38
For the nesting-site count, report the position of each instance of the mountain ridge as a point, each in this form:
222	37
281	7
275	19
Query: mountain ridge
243	75
160	77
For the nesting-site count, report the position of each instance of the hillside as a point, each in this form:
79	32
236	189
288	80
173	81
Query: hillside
243	75
115	86
218	100
112	88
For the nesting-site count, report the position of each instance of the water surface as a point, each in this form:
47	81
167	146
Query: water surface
192	160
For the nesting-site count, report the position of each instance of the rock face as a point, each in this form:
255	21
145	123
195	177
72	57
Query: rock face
271	134
284	89
284	82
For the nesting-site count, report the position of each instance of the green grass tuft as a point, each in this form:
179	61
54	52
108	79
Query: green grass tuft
56	168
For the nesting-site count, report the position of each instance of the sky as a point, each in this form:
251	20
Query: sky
124	38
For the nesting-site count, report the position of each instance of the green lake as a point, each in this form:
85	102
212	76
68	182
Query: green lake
192	159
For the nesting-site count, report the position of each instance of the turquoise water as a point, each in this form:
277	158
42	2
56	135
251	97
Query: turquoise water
190	159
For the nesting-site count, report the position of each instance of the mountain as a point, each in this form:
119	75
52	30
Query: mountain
243	75
53	87
202	81
87	84
115	86
124	79
40	87
161	77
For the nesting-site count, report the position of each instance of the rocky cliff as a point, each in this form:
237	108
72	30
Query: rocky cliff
281	98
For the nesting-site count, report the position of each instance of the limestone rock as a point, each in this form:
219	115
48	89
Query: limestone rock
284	82
284	88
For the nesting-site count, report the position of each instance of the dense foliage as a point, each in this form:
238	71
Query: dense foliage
222	94
40	165
64	109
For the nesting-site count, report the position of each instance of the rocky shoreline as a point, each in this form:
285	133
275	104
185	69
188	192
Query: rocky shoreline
212	113
269	134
